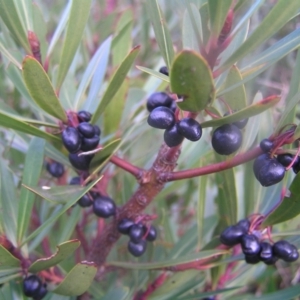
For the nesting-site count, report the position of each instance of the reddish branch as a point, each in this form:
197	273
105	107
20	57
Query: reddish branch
125	165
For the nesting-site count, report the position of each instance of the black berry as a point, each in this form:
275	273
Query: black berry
85	201
245	224
296	165
55	168
75	181
190	129
164	70
80	162
162	118
266	253
286	251
152	234
285	159
97	130
159	99
84	116
86	129
250	245
173	106
137	249
266	145
125	225
104	207
252	259
71	139
227	139
136	232
172	137
42	292
232	235
89	144
241	123
31	286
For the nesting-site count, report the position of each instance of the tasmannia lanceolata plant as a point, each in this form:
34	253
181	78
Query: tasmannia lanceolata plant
97	204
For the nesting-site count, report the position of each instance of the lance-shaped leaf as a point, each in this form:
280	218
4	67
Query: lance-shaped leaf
77	280
41	89
191	77
247	112
154	73
7	260
64	250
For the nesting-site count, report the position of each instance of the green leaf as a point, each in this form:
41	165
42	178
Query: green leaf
247	112
7	260
41	89
64	250
154	73
288	208
191	77
116	82
10	17
161	31
77	280
218	10
31	174
78	18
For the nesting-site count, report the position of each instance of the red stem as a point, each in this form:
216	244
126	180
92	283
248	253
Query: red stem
125	165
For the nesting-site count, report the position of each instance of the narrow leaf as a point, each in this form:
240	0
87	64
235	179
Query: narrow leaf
64	250
154	73
77	20
7	260
41	89
191	77
77	280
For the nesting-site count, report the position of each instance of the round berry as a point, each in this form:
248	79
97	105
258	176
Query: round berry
89	144
286	251
125	225
241	123
173	106
245	224
266	145
164	70
42	292
159	99
97	130
55	168
75	181
227	139
266	252
80	162
136	232
152	234
31	286
285	159
162	118
84	116
296	165
85	201
252	259
104	207
86	129
172	137
250	245
71	139
137	249
232	235
267	170
190	129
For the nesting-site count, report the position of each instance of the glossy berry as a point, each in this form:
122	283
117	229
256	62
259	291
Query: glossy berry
137	249
241	123
172	137
266	253
252	259
250	245
227	139
286	251
71	139
245	224
86	129
80	162
136	232
125	225
89	144
266	145
97	130
267	170
164	70
285	159
85	201
152	234
55	168
296	165
104	207
31	286
232	235
162	118
42	292
84	116
159	99
173	106
75	181
190	129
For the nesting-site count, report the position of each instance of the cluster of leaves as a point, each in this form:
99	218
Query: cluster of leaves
87	64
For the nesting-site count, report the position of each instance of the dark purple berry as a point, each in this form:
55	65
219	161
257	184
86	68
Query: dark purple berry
31	286
89	144
86	129
252	259
159	99
97	130
104	207
286	251
266	145
42	292
137	249
241	123
71	139
227	139
245	224
172	137
164	70
296	165
136	232
232	235
55	168
190	129
125	225
266	252
80	162
75	181
84	116
250	245
152	234
173	106
162	118
85	201
285	159
267	170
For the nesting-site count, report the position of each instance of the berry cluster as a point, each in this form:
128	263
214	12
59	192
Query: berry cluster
55	169
33	287
139	234
84	137
228	138
254	250
162	116
103	206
